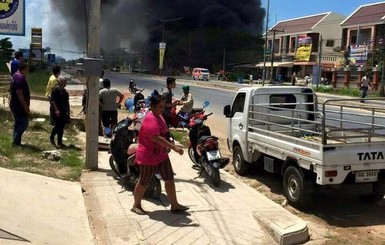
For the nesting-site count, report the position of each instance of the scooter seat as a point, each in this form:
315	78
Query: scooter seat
204	138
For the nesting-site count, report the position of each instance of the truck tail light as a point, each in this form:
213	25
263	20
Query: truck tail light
331	173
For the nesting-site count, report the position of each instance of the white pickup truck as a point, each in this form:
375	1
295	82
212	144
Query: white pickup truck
340	145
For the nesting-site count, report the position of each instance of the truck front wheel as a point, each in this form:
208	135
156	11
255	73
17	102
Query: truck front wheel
294	187
240	165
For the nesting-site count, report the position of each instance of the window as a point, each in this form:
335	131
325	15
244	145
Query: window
239	103
286	100
330	43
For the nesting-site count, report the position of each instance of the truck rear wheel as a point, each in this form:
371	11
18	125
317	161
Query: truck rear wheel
294	187
240	165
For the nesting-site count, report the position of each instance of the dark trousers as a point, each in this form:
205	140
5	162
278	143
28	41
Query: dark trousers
364	92
58	129
21	124
109	118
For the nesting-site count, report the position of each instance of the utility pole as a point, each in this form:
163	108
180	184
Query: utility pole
382	92
272	54
224	61
264	50
92	118
319	61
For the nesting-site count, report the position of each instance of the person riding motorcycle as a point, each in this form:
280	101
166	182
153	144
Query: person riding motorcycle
187	101
132	86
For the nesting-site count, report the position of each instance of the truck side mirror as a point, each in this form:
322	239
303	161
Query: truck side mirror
227	111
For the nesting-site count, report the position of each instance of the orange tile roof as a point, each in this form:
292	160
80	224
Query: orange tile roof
298	25
366	14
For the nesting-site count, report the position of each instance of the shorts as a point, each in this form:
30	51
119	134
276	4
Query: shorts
163	168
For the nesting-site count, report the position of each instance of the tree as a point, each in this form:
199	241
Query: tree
6	52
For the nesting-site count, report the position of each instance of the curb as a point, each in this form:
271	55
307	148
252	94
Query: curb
284	232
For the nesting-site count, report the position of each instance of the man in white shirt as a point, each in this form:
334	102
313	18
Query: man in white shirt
365	83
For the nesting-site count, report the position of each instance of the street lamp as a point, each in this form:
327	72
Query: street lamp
163	22
162	44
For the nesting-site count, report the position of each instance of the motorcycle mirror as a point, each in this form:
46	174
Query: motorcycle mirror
206	104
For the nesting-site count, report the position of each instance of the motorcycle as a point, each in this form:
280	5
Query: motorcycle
182	119
123	161
204	150
141	109
132	86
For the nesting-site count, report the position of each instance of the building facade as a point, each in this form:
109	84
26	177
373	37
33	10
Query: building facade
300	44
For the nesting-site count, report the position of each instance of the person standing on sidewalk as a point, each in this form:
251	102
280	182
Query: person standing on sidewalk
60	109
15	63
52	81
152	156
171	84
109	106
364	86
19	102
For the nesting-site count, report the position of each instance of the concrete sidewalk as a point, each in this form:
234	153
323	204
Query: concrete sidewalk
40	210
234	213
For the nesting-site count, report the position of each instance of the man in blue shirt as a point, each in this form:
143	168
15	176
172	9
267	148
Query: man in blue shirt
16	62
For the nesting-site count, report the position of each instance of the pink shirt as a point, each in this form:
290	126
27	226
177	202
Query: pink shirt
149	152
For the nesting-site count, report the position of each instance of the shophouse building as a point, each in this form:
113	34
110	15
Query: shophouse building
299	45
363	34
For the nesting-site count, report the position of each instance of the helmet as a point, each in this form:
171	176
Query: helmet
186	87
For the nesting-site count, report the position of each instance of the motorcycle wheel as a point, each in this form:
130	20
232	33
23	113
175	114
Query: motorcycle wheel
154	189
216	177
114	166
191	155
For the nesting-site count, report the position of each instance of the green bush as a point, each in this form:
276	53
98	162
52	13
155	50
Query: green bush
354	92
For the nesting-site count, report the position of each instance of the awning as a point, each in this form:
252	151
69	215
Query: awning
276	64
305	63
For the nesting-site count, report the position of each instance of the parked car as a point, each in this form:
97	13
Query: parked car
200	74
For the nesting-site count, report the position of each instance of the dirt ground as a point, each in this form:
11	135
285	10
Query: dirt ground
332	218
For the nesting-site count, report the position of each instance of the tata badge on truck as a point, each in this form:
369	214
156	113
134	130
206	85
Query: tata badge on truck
341	144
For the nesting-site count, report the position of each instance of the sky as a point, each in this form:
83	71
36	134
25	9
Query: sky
40	14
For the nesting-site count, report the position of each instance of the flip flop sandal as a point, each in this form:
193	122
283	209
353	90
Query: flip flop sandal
138	211
179	210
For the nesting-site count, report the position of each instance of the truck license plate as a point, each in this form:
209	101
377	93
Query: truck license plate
366	176
213	155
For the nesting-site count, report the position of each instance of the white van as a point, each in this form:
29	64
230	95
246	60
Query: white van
200	74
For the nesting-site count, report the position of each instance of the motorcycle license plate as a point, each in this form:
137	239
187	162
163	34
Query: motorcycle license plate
213	155
366	176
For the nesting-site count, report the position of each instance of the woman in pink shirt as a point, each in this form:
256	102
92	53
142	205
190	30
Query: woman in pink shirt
152	156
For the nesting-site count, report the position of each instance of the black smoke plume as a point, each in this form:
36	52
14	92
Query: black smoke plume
136	26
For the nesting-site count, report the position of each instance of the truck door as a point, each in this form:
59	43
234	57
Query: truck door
238	122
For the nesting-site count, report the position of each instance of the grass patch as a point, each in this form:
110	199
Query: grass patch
181	136
353	92
36	138
37	81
